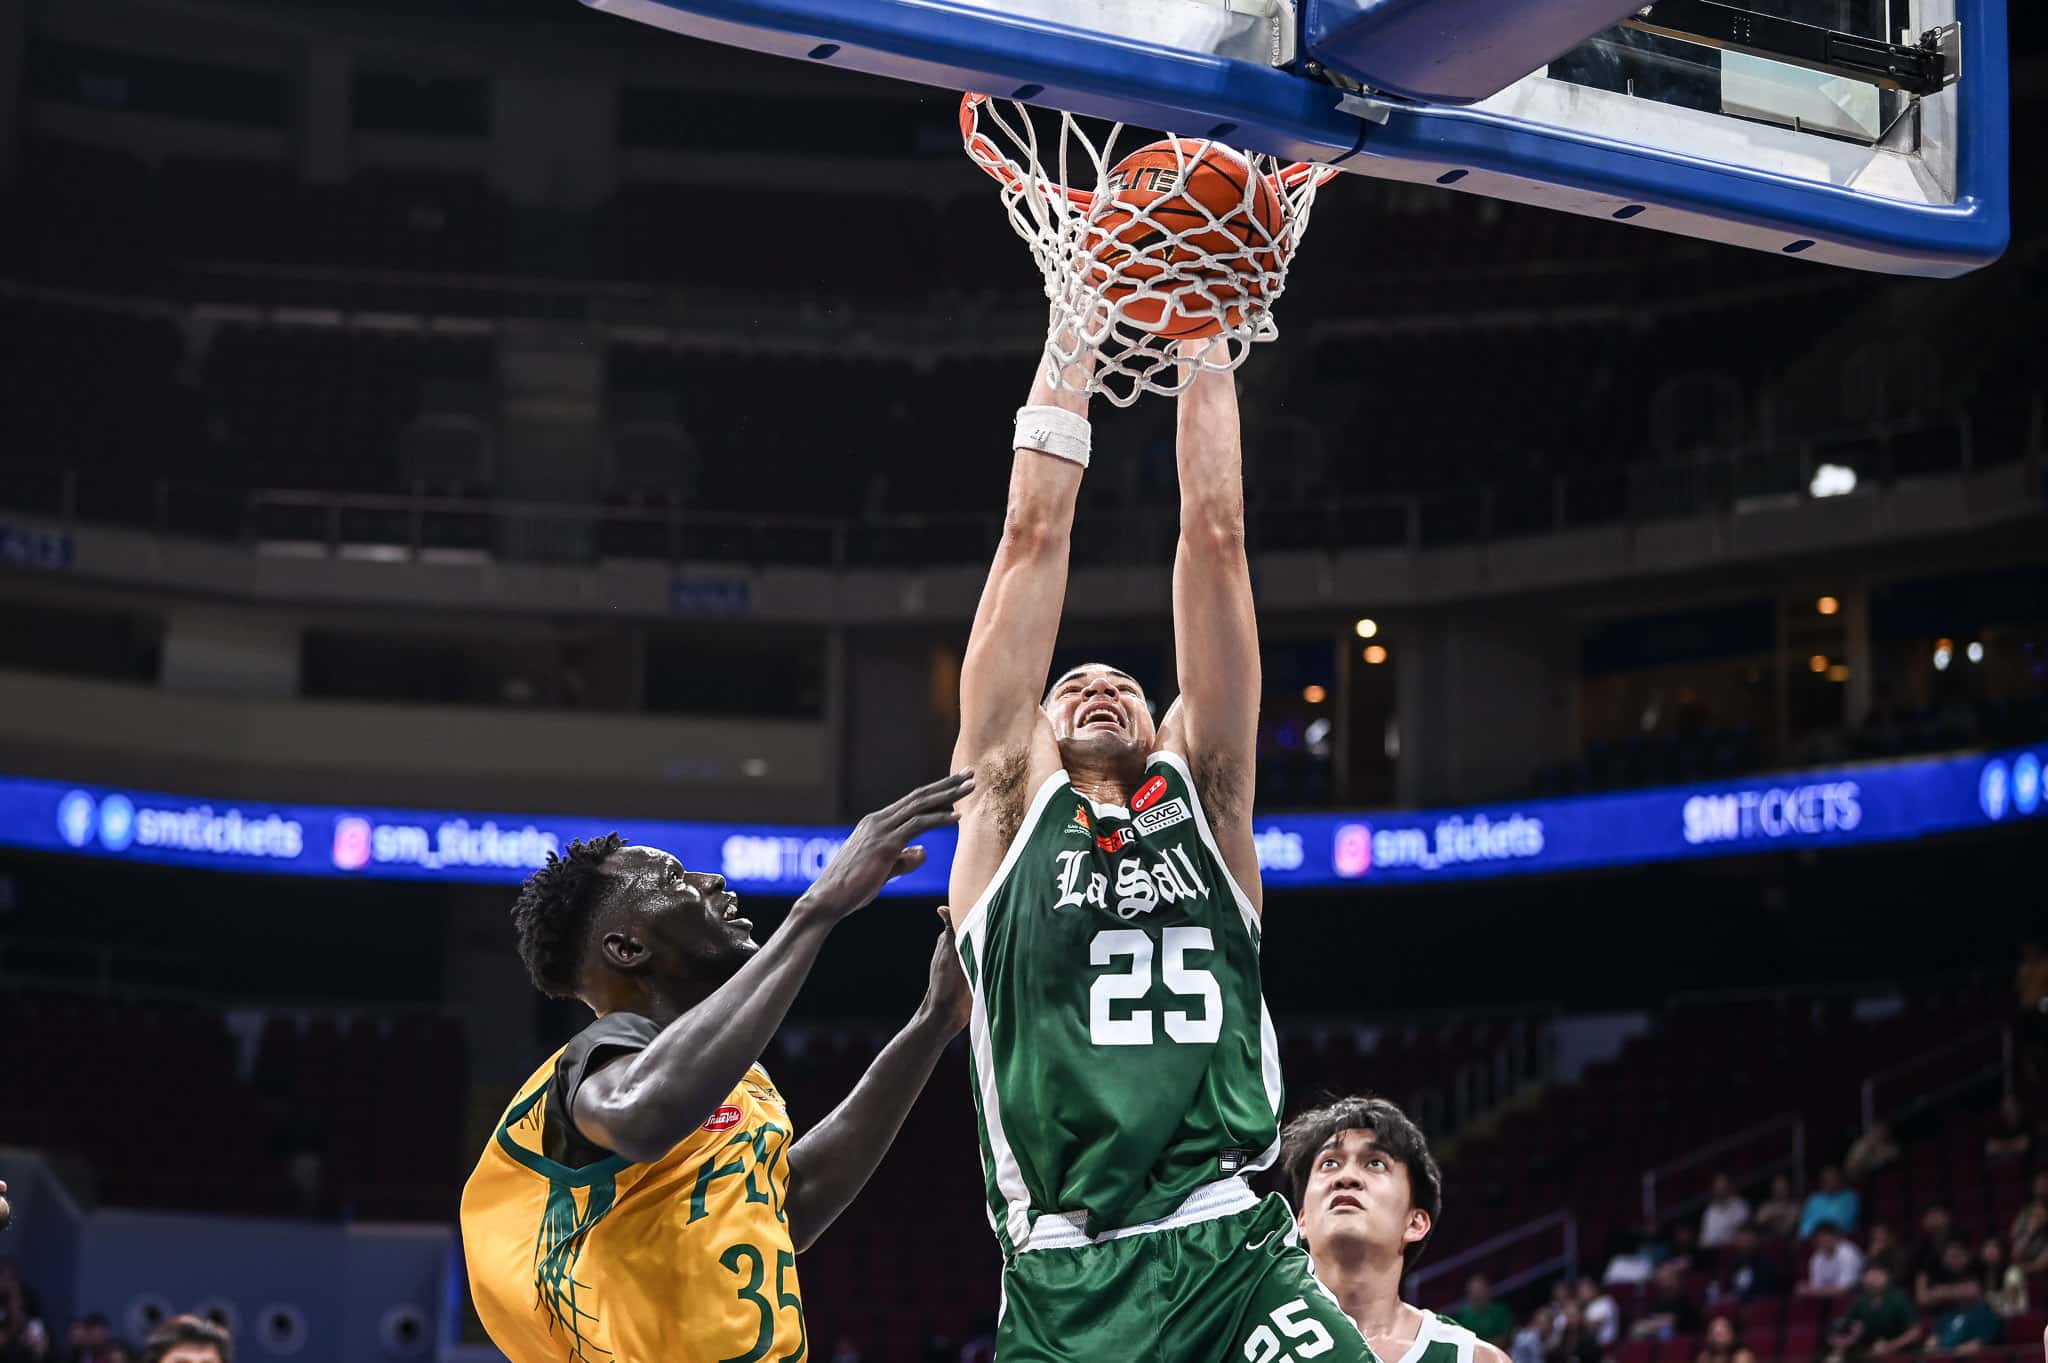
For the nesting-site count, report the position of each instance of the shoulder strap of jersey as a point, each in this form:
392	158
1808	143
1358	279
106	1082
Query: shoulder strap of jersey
1174	762
1439	1330
1052	785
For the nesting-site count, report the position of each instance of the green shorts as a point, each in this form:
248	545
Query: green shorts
1234	1288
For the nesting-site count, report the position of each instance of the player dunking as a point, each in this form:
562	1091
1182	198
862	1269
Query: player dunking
1107	887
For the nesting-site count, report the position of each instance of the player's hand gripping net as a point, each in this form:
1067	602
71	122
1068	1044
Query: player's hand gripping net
1184	243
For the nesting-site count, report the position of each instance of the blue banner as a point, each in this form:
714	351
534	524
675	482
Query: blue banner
1888	802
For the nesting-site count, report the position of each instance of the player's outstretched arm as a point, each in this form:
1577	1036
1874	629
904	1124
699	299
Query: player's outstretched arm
829	1166
643	1103
1017	623
1215	722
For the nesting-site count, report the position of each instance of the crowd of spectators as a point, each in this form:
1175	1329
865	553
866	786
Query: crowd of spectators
25	1337
1870	1292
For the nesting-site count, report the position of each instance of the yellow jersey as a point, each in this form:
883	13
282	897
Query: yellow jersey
577	1255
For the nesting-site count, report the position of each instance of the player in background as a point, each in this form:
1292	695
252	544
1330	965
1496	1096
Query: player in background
644	1195
1368	1194
1106	892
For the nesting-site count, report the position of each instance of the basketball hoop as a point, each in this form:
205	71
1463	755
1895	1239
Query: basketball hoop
1172	270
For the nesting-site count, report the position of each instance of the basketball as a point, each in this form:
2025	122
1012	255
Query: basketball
1187	239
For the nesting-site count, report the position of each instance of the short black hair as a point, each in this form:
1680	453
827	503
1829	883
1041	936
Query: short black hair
188	1330
1393	1132
552	914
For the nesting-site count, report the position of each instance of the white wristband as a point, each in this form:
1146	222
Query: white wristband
1054	431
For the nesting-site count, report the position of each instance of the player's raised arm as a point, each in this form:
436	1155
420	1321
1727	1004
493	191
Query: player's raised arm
1215	722
1010	646
641	1104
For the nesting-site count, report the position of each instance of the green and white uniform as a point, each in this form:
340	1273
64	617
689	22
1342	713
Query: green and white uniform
1440	1341
1126	1075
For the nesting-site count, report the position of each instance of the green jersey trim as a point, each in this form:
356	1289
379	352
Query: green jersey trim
1437	1331
1064	1230
1039	800
1006	1179
1208	835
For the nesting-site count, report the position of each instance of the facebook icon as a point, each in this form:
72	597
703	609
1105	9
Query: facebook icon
77	816
117	823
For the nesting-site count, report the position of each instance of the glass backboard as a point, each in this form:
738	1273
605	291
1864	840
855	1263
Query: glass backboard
1862	133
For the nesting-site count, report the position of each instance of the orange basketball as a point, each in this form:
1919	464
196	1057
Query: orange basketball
1191	228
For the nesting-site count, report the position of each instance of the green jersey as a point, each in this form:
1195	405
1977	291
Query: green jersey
1122	1054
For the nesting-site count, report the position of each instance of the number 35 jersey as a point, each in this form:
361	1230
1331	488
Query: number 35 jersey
1122	1055
578	1255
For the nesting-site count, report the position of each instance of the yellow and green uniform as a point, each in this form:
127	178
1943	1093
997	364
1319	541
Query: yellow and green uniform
577	1255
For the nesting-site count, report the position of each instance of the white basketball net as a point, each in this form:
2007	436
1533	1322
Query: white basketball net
1227	269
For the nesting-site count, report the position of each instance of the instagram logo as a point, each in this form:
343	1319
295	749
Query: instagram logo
352	844
1353	857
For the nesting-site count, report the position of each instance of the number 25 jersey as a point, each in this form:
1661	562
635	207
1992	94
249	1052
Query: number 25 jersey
1122	1054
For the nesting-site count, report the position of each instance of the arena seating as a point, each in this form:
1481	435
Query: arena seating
158	1100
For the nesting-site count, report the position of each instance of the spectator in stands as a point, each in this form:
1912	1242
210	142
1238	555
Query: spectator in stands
1572	1341
1835	1266
1669	1311
1833	1201
89	1337
1936	1230
1778	1215
1530	1340
2005	1283
1953	1283
1747	1272
23	1338
1600	1313
1726	1212
2011	1138
1965	1329
1684	1246
1482	1315
1880	1322
189	1339
1870	1152
845	1351
1884	1248
2029	1236
118	1352
1721	1345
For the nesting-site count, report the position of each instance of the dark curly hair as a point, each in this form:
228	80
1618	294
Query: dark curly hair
1392	1131
552	914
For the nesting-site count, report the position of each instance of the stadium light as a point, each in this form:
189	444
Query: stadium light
1818	662
1314	695
1375	655
1827	605
1367	628
1944	653
1833	480
1975	652
1839	672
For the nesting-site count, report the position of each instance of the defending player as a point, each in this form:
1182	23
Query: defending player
1108	889
1369	1194
641	1197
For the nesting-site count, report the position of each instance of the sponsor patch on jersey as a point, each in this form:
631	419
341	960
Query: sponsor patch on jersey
1165	816
725	1119
1116	840
1081	823
1148	795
